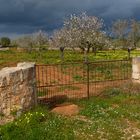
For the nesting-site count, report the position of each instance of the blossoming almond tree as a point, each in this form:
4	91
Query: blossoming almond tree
85	30
61	39
82	32
41	39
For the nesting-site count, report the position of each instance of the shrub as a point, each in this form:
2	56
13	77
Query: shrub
112	92
5	41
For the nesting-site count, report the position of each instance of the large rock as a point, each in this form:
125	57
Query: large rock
17	89
68	110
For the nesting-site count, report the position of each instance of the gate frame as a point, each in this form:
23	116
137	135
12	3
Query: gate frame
87	63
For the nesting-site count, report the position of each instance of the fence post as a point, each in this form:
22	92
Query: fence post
35	86
87	63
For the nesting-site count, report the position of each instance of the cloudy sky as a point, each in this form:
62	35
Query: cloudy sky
19	17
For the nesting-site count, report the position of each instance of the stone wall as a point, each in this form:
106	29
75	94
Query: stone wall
4	49
17	90
136	69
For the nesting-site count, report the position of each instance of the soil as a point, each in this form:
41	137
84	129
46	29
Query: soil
67	110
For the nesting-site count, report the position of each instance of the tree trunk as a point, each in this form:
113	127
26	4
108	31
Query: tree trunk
114	50
94	50
83	50
88	49
62	55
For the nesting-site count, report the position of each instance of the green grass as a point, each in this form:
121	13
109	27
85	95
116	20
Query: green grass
49	57
79	78
42	93
113	116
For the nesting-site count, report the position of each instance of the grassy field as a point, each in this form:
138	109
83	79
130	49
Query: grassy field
12	57
114	116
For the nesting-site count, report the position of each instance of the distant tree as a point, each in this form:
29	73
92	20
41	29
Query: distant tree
134	34
61	40
26	41
41	39
120	29
35	40
5	41
100	42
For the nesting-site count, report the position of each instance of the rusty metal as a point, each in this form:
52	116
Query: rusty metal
80	79
88	82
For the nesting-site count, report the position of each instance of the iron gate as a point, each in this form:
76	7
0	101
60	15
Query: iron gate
80	80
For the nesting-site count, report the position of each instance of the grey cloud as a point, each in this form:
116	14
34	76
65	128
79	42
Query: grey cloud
25	16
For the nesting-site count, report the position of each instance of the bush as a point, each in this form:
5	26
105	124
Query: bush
5	41
112	92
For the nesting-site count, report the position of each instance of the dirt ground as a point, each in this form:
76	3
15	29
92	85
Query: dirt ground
67	110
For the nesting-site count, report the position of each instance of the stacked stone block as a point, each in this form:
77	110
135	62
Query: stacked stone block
17	89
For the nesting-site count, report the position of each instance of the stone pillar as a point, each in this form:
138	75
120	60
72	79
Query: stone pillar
17	89
136	69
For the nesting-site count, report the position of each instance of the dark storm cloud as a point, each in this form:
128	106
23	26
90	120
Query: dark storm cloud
25	16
